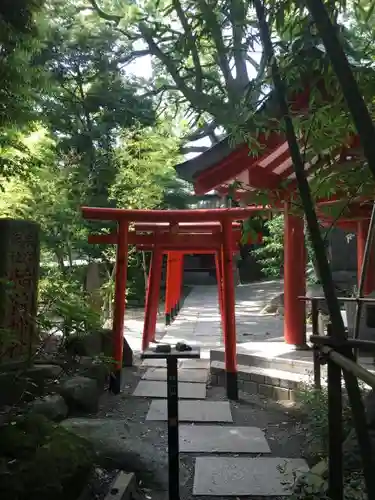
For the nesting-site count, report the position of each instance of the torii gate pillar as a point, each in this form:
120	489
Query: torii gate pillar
294	280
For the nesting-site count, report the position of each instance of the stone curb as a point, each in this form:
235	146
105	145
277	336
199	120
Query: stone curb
123	487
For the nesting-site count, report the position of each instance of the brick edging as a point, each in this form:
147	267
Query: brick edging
253	383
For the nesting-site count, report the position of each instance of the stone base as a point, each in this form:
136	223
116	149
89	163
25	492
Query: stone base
274	384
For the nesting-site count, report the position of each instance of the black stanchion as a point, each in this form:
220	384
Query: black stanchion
168	319
172	356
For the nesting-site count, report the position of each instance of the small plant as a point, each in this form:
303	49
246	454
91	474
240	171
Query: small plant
63	305
315	410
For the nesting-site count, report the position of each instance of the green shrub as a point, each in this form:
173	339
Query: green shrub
314	407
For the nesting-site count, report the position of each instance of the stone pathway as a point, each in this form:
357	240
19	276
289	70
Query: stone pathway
253	474
230	460
237	460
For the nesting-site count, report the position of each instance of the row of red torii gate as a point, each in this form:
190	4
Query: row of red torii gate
213	231
174	233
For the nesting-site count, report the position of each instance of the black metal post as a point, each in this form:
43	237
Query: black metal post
316	352
173	437
115	382
335	435
172	355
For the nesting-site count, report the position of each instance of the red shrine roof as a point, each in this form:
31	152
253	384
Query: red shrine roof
268	168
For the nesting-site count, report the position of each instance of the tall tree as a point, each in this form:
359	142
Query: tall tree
19	43
90	99
204	53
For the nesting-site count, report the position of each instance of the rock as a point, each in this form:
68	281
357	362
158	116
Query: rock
99	342
80	394
41	460
313	482
275	305
45	371
25	385
118	447
127	353
90	344
52	406
94	369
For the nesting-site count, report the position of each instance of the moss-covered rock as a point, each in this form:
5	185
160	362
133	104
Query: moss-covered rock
40	460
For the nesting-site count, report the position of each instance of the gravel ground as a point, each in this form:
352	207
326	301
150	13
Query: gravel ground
279	424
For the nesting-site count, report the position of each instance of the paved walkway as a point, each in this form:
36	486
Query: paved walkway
230	460
247	469
198	322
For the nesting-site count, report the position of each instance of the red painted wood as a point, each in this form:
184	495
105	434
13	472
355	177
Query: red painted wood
235	163
229	302
172	216
152	298
190	228
219	285
174	282
176	241
168	278
120	293
294	280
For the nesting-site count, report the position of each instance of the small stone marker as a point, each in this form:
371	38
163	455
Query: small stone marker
232	476
219	439
205	411
184	375
155	389
123	487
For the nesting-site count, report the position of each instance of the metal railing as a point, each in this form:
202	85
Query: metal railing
339	355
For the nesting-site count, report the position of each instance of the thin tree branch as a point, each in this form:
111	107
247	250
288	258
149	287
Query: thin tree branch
104	15
221	50
356	104
196	98
238	19
190	40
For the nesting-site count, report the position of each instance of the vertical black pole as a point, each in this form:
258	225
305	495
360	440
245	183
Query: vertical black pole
315	331
335	434
173	437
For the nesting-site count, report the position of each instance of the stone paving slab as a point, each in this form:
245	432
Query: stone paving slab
158	389
232	476
205	411
184	375
154	362
195	363
219	439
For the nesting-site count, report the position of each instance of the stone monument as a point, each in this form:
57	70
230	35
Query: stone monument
19	273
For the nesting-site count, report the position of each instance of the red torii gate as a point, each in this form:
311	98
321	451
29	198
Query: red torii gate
174	232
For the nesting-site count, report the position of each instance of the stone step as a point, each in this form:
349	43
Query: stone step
158	389
250	477
300	362
222	439
205	411
275	384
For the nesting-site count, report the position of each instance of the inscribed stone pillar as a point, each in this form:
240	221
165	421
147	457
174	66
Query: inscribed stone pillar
93	286
19	272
